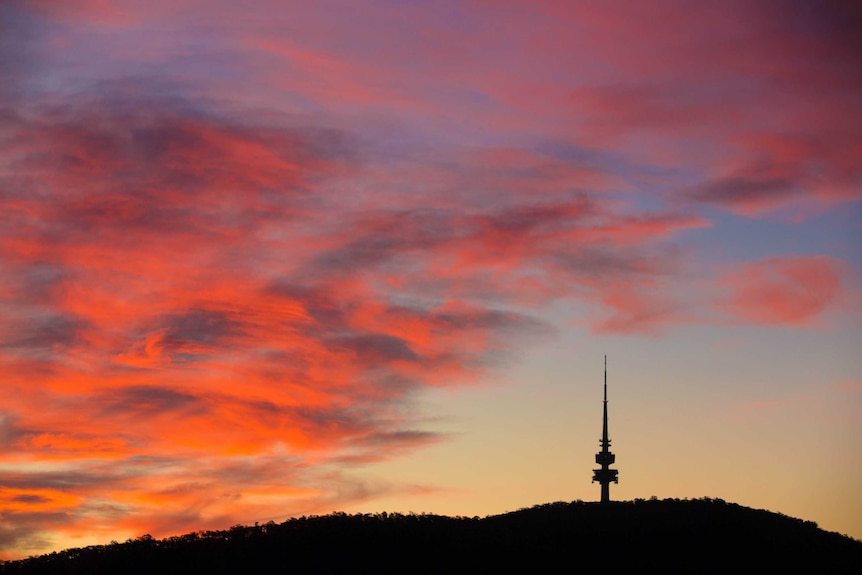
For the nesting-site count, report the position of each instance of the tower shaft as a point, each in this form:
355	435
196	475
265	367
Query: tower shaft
605	458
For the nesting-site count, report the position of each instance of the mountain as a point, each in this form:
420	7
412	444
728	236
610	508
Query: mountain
642	536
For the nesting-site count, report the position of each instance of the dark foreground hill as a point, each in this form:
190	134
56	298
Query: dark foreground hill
688	536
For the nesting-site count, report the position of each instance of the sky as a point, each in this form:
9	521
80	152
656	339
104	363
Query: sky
270	259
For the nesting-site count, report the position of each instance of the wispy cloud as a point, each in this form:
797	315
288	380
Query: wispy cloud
789	291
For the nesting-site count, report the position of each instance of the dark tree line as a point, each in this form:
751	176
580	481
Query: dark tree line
668	536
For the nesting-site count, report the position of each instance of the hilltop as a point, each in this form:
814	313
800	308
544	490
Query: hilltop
671	535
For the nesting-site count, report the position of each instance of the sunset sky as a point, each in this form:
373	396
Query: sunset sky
272	258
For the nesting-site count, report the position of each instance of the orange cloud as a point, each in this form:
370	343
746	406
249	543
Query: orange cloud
36	500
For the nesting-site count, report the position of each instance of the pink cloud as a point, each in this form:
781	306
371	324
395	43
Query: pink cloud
785	291
784	169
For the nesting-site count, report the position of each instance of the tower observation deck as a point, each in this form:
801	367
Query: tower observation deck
605	458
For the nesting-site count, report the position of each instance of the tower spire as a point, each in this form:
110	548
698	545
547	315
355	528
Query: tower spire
604	457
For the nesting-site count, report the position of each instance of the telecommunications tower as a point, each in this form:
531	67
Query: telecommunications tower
604	457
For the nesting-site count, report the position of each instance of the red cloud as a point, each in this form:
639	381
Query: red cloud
788	169
785	291
104	12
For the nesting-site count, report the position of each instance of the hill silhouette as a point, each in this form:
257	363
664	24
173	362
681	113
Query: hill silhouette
671	535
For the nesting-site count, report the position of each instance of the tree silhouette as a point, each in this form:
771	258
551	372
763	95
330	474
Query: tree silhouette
671	536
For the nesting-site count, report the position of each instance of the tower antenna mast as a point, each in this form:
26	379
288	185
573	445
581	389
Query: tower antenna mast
605	458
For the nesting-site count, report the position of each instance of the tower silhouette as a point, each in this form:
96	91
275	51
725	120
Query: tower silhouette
604	457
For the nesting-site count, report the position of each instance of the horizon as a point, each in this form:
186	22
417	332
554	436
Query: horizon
269	259
394	515
661	535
